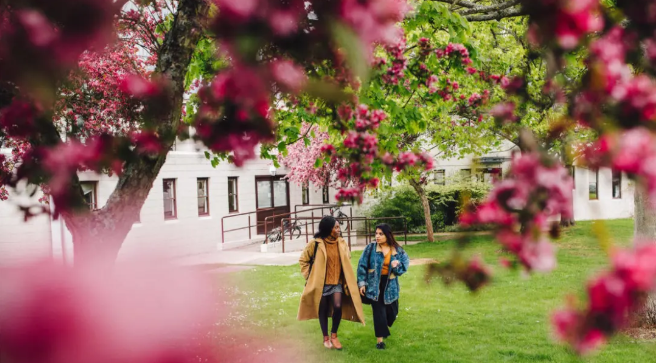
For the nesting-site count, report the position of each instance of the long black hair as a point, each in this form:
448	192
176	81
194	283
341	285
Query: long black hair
326	226
387	231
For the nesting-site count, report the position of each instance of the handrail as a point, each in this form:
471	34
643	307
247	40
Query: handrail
223	231
351	219
267	219
320	205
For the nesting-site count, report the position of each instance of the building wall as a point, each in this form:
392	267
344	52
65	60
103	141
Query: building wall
19	240
188	234
605	207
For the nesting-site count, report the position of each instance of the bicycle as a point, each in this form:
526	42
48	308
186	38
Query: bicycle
275	234
341	217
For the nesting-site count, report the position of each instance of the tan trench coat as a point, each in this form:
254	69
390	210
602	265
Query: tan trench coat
351	303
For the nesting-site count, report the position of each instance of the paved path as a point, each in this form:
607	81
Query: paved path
249	256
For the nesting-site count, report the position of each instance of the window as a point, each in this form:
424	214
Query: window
233	198
170	207
465	174
488	175
593	181
326	194
89	191
617	184
203	196
439	177
306	194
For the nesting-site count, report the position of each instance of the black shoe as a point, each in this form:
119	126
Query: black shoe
380	345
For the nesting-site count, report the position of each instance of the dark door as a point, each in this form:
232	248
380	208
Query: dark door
272	193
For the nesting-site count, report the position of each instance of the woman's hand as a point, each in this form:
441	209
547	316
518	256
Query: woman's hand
395	263
362	290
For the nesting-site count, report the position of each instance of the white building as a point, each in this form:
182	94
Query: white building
194	208
598	194
183	214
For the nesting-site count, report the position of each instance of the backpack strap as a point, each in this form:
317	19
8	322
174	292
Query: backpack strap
314	255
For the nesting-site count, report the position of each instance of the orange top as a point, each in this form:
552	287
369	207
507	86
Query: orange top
386	263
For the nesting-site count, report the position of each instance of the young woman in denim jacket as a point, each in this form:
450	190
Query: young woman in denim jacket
380	266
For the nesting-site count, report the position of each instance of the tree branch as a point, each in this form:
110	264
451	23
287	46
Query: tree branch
475	12
502	14
490	8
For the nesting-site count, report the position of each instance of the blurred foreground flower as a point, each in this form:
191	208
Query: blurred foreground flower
144	313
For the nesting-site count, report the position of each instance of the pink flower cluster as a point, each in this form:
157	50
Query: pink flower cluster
455	49
60	163
409	159
504	112
147	142
535	189
613	297
301	159
234	114
566	22
368	120
148	313
362	141
374	21
632	151
396	72
40	38
18	120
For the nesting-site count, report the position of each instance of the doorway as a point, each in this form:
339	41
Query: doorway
272	197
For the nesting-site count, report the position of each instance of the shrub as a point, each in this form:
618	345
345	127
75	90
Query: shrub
445	203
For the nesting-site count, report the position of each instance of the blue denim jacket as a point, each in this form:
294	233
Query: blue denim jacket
370	267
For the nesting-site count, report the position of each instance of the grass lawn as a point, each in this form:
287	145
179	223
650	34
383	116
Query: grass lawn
506	322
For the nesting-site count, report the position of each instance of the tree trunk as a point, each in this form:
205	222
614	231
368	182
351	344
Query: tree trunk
645	226
427	213
98	235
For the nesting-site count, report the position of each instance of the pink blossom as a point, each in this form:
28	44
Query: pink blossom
345	112
289	74
238	8
149	313
139	87
284	22
612	297
18	119
538	256
147	142
39	30
349	195
504	112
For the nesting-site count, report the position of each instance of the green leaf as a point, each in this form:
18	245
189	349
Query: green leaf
318	163
207	155
282	146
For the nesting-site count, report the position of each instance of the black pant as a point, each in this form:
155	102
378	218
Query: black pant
384	315
334	301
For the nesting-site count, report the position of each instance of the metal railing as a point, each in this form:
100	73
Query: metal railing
331	207
351	232
250	226
223	231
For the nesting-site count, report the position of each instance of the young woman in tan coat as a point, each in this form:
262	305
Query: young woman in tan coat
331	288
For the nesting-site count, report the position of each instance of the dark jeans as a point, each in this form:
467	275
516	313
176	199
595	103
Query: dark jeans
384	315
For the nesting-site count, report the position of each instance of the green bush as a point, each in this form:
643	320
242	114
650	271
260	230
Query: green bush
399	201
445	202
